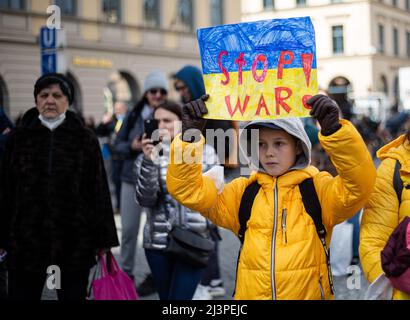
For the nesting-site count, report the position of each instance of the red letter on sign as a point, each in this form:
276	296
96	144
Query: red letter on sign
238	105
240	62
282	61
280	100
307	59
262	104
261	58
305	100
224	71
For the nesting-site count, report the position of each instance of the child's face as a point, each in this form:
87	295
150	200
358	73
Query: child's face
277	151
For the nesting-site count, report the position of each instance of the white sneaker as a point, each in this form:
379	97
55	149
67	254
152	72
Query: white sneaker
202	293
216	288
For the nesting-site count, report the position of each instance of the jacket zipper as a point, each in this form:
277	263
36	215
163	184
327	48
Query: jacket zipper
322	293
275	226
284	216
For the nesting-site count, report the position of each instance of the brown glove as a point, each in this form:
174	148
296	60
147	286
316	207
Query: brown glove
192	119
326	111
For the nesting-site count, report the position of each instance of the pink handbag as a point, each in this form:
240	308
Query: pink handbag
113	284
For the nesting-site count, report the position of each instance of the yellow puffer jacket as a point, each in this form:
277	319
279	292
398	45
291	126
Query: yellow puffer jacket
382	214
277	262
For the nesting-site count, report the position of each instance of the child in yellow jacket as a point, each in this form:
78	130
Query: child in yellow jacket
282	256
386	208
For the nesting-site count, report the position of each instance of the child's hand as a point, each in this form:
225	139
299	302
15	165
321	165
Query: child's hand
192	118
326	112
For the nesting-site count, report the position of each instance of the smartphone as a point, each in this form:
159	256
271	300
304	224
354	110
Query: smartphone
150	125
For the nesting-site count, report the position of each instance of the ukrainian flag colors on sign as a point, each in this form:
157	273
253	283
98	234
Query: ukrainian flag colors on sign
259	70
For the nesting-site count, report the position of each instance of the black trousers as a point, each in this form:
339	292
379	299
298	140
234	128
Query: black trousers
212	271
25	285
3	281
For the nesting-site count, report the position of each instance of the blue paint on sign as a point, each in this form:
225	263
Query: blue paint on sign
267	37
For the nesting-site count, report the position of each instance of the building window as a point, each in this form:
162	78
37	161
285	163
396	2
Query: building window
301	3
394	2
268	4
337	36
217	12
336	1
396	87
13	4
186	15
408	5
151	13
67	7
408	44
381	38
396	41
383	85
112	11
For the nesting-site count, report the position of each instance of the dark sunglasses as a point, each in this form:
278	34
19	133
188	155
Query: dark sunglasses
156	90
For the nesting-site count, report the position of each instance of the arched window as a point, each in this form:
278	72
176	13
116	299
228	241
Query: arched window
123	87
339	88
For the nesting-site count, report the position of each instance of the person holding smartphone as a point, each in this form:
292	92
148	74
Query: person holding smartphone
128	145
173	279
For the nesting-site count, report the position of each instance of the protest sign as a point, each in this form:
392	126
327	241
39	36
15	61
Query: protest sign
259	70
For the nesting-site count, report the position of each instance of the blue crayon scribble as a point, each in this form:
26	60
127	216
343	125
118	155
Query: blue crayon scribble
268	37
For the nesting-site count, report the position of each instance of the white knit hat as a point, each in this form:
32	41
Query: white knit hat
155	79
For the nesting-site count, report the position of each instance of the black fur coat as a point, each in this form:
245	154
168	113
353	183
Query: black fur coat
55	204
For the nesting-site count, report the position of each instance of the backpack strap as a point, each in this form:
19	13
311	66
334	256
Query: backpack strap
244	214
246	207
397	182
312	206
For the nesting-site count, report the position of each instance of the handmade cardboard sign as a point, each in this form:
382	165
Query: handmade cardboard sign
259	70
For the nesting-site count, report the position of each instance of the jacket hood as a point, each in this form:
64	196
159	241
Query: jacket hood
399	150
192	77
394	150
292	126
30	120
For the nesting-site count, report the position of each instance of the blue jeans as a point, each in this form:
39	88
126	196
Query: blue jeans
173	279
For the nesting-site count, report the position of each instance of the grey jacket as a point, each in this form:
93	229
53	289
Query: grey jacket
163	211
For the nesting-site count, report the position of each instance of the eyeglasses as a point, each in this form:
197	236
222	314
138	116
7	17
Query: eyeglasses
156	90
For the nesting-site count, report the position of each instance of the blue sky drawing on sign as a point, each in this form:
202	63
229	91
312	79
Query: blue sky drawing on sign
268	37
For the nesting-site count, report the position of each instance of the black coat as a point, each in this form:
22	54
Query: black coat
55	204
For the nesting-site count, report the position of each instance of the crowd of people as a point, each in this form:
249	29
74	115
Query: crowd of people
60	171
